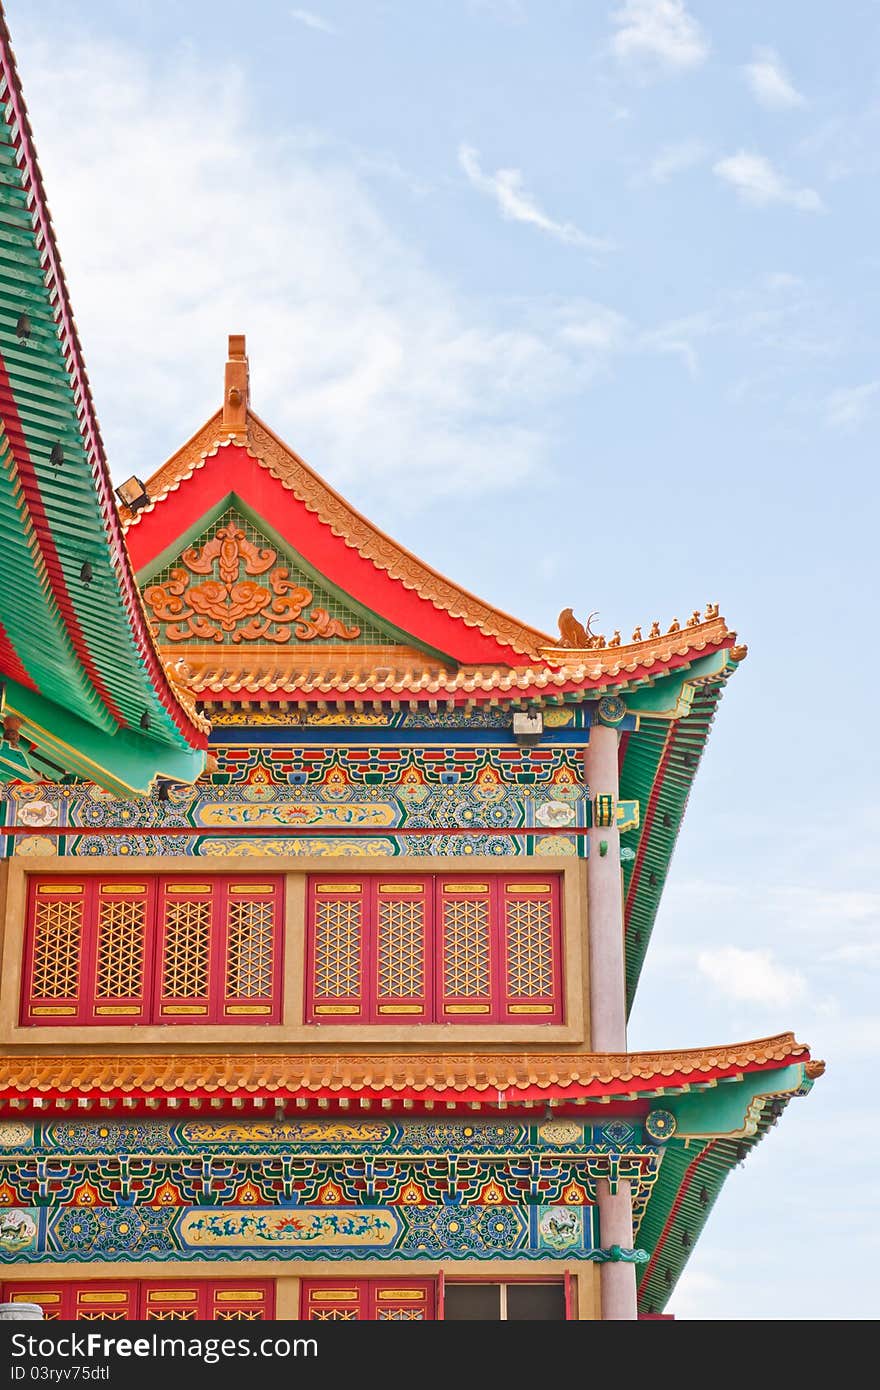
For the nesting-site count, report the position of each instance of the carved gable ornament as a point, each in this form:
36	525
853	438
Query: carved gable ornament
214	595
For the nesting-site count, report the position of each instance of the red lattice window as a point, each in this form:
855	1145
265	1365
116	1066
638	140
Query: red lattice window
196	1300
368	1300
153	950
434	948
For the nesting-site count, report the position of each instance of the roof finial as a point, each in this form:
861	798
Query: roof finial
236	394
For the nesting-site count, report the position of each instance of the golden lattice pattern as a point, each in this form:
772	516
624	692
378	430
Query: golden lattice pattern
57	946
249	950
401	949
337	949
187	947
120	967
466	949
178	1314
239	1315
103	1315
333	1315
529	949
400	1315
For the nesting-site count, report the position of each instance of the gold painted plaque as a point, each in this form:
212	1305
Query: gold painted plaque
401	1008
112	1010
531	1008
106	1296
248	1009
171	1296
53	1011
239	1295
465	887
250	888
188	888
123	888
400	1293
467	1008
333	1295
338	888
527	887
60	888
184	1008
337	1009
400	887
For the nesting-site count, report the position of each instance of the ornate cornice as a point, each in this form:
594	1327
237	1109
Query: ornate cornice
489	1076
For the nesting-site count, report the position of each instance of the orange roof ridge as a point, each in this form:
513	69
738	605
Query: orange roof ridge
396	1072
236	423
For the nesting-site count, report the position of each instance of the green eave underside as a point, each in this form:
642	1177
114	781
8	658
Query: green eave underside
660	763
716	1130
124	762
44	399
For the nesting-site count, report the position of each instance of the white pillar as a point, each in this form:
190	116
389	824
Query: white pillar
619	1300
605	902
608	1004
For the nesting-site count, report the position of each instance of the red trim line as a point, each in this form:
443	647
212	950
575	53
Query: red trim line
673	1211
645	835
10	661
59	301
42	530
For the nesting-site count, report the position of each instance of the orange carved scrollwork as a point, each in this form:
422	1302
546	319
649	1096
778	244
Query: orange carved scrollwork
227	607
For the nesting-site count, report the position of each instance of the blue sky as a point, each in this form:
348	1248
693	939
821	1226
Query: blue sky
579	300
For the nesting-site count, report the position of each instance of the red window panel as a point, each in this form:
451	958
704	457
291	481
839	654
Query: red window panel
401	1300
120	956
53	1298
434	948
530	948
251	956
368	1300
247	1301
466	950
189	928
334	1300
400	936
185	1301
178	949
115	1302
58	921
338	935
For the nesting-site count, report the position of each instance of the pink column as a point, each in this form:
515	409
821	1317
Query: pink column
608	1004
618	1279
605	903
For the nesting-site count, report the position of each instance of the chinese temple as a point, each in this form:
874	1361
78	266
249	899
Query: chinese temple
326	889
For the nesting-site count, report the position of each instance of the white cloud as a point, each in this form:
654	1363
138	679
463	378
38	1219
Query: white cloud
846	408
756	181
657	35
313	21
675	159
770	84
181	221
750	976
516	205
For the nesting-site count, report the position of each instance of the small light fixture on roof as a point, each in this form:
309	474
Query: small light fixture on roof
133	494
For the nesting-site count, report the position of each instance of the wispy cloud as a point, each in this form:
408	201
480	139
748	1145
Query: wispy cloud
369	361
771	86
657	36
314	21
515	204
846	408
756	181
751	976
675	159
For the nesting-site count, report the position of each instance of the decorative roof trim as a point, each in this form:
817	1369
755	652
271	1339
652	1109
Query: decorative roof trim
343	520
482	1076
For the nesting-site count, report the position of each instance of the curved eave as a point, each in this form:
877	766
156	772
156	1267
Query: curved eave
107	667
392	1078
659	765
691	1177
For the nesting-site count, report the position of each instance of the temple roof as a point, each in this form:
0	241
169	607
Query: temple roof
444	642
84	680
482	1077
